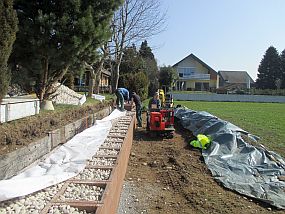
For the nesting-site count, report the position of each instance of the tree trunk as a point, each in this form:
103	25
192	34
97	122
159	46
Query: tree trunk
113	81
116	74
44	80
50	82
97	81
90	85
98	76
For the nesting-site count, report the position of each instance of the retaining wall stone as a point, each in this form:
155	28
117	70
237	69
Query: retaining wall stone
13	162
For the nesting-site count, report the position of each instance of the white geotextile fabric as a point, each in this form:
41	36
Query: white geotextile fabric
62	163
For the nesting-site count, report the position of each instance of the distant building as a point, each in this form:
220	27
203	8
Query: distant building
81	84
234	80
194	74
105	82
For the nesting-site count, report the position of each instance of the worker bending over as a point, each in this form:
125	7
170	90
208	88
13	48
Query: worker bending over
121	93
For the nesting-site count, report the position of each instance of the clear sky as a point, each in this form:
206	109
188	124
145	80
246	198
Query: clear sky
225	34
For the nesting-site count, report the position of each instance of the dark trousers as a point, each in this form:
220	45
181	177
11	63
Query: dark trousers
120	101
139	115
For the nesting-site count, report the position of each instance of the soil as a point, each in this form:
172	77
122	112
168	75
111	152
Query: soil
168	176
19	133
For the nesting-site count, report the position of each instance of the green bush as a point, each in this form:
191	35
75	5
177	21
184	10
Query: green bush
277	92
135	82
8	29
4	81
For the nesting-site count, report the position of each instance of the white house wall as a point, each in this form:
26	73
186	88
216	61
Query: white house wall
199	68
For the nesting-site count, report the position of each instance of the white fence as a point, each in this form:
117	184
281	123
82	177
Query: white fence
230	98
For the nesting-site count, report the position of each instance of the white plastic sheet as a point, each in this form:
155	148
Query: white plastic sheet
63	163
82	100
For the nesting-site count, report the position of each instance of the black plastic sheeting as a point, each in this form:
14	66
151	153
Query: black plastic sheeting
250	170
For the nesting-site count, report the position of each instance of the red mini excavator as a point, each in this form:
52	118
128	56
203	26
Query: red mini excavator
161	121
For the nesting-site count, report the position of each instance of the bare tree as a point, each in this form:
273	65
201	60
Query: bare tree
94	71
136	20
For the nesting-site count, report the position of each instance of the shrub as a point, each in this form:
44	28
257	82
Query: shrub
4	81
276	92
8	28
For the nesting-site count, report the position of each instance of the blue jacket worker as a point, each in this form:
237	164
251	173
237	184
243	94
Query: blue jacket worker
137	100
121	93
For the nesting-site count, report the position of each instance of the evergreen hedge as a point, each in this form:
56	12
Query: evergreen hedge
8	29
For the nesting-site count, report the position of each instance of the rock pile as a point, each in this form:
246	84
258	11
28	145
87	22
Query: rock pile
15	90
96	161
112	144
107	152
64	95
94	174
32	203
63	208
82	192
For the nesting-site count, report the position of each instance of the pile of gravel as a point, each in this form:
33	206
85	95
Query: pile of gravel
82	192
32	203
65	95
15	90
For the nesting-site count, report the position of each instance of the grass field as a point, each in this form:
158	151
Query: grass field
266	120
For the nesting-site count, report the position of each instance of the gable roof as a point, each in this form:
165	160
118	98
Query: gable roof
235	76
198	60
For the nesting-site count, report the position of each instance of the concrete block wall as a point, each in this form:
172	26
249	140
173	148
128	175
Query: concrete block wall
12	163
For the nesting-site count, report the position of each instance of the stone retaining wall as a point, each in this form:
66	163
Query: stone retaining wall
13	162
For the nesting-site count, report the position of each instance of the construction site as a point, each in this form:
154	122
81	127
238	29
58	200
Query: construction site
105	163
142	107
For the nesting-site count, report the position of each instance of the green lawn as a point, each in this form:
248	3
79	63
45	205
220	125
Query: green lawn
266	120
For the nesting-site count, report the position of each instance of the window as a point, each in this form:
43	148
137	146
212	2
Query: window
186	71
201	86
